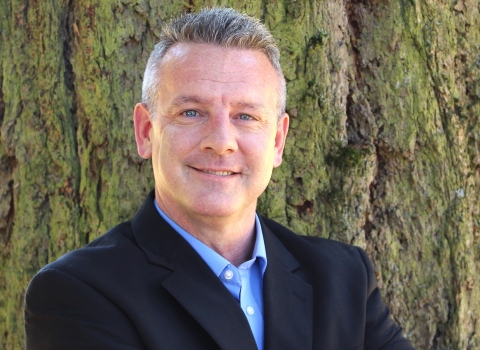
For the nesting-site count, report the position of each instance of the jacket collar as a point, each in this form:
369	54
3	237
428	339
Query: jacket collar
154	235
287	299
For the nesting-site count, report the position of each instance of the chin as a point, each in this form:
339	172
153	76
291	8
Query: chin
214	211
216	207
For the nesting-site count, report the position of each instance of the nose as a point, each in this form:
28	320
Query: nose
220	135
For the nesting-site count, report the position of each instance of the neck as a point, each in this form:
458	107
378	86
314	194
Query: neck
231	237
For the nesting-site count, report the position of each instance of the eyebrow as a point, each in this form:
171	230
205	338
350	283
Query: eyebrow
249	105
185	99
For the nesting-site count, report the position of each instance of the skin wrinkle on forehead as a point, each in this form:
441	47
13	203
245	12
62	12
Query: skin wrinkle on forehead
178	54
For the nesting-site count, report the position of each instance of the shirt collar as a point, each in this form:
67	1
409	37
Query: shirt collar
214	260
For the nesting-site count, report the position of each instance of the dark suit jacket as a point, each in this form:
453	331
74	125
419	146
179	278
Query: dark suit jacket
141	286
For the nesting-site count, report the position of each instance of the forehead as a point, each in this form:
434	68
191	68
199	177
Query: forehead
214	69
226	59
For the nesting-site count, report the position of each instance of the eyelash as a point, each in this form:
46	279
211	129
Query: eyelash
188	111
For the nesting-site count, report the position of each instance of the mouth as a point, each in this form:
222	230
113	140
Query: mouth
219	173
222	172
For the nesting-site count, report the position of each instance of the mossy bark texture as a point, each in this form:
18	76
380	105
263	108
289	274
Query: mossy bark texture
383	150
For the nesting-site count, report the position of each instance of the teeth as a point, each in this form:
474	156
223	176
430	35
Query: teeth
221	173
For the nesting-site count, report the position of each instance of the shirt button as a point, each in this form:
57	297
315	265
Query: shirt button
250	310
228	274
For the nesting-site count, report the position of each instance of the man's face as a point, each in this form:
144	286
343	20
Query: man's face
215	136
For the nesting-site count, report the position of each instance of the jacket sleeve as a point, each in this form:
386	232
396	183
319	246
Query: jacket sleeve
381	332
62	312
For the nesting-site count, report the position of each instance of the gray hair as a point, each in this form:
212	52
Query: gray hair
217	26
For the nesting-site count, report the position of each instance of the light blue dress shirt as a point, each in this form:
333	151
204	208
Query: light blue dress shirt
244	282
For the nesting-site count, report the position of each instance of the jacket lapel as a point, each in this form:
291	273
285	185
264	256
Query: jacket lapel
288	300
191	282
204	296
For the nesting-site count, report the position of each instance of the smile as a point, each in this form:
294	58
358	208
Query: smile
220	173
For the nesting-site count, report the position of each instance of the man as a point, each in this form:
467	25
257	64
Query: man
196	268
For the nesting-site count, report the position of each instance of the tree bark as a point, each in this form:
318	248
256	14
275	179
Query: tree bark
383	150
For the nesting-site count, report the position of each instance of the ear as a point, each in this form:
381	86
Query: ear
282	130
143	126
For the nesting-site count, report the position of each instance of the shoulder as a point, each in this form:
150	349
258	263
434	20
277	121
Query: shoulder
97	259
117	239
299	244
325	257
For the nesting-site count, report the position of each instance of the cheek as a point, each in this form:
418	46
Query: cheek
260	152
181	138
175	146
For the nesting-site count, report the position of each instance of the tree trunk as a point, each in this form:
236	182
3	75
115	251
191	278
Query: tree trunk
383	150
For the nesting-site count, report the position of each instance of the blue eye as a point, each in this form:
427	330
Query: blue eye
191	113
244	117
